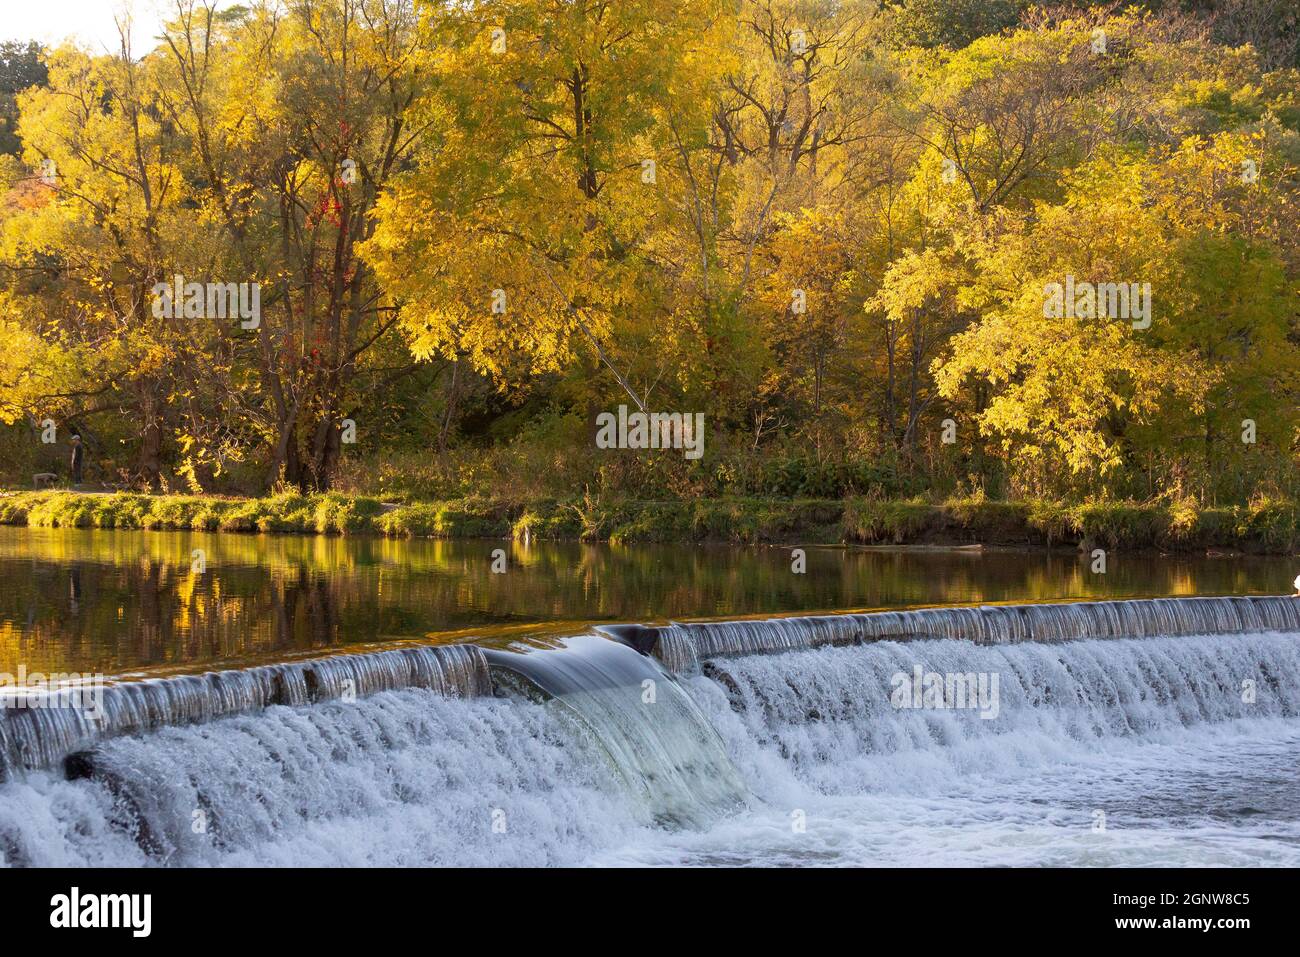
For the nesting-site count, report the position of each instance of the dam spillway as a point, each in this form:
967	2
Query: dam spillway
591	750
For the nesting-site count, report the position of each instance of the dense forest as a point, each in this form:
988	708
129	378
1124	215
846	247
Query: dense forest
886	247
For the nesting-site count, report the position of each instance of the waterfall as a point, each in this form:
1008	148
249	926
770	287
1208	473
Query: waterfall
683	646
985	735
39	728
1163	750
651	733
400	778
588	734
851	718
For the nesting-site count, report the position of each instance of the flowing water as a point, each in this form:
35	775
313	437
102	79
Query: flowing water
1129	732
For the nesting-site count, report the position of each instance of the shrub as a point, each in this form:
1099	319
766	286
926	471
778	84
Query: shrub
1123	524
1273	524
242	517
876	521
1054	521
1268	524
179	511
989	521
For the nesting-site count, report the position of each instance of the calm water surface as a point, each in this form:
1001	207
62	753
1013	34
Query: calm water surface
77	600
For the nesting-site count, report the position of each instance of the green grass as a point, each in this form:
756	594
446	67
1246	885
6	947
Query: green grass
874	521
1268	525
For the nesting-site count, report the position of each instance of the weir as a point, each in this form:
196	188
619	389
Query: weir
550	752
38	729
845	720
684	646
48	728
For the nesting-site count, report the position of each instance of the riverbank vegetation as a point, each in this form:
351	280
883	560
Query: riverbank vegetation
1271	526
828	227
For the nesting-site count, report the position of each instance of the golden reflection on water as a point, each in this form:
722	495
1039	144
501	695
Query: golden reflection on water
78	600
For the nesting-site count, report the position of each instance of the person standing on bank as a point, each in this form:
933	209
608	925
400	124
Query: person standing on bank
77	455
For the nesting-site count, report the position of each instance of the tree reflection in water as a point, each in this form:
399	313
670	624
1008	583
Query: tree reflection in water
117	601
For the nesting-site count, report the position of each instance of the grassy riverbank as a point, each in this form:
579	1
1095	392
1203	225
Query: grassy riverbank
1266	526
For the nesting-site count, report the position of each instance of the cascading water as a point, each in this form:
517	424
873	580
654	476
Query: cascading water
683	646
651	733
406	778
38	729
1153	751
594	740
854	719
1142	732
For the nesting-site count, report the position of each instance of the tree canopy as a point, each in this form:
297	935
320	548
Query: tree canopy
834	228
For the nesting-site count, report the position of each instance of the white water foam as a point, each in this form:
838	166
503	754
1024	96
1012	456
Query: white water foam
404	778
1158	735
1135	752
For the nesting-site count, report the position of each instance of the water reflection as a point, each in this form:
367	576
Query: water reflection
118	601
